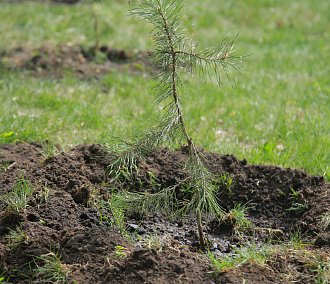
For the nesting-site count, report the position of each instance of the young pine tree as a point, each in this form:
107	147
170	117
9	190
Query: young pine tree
173	55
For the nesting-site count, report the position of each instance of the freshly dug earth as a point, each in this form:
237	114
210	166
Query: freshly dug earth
81	61
69	223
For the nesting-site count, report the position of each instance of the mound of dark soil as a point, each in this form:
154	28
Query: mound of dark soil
278	199
79	60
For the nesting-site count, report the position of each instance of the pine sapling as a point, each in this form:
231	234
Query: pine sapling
173	55
95	26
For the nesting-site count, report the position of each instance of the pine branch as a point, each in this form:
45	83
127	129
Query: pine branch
165	200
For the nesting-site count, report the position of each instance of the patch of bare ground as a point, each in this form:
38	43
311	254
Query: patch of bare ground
49	60
61	217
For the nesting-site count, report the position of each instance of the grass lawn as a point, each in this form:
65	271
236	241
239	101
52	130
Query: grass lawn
278	114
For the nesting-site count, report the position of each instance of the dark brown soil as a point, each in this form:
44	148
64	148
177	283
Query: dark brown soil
87	239
78	60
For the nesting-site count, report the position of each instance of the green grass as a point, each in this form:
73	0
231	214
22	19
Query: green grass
292	252
52	270
17	200
69	111
16	238
278	114
22	24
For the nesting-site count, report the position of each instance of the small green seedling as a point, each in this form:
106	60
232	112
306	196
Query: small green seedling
95	26
43	194
120	252
174	55
227	183
299	205
295	194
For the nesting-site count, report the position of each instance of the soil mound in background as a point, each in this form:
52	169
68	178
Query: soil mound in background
81	61
86	238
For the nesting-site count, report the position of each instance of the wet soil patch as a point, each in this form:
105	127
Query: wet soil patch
61	217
